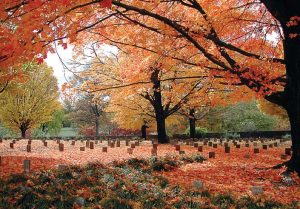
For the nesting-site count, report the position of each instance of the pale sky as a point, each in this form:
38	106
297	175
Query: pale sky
53	61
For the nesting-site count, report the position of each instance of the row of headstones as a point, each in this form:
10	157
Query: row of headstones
247	142
227	148
89	144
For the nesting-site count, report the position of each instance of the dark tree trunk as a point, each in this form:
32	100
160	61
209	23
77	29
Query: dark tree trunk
97	127
23	129
292	92
192	121
283	10
159	109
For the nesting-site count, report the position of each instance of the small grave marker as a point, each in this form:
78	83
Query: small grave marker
227	149
288	151
177	147
132	146
26	164
256	190
211	155
28	148
82	148
284	157
181	152
265	146
198	184
256	150
200	149
104	149
154	152
92	145
130	151
61	147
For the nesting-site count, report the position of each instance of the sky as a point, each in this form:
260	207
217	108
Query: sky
53	61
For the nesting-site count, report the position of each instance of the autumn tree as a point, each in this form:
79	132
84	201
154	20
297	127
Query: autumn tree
147	86
87	111
27	105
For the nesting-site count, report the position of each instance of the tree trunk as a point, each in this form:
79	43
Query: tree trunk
161	130
283	10
192	121
159	109
23	129
292	91
97	127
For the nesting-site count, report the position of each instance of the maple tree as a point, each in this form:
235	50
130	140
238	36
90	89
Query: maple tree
27	105
146	90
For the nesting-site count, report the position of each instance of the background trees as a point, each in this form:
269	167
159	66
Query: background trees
28	105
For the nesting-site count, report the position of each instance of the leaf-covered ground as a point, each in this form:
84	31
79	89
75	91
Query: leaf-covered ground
233	173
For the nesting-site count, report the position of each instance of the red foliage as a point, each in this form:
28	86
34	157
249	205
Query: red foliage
234	172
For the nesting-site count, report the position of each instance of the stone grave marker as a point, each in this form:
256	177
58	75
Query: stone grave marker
196	145
154	152
238	146
181	152
104	149
137	143
118	144
154	146
210	144
132	146
87	143
126	142
61	147
112	145
92	145
288	151
283	157
200	149
265	146
82	148
26	166
215	146
177	147
45	143
256	190
11	145
256	150
211	155
73	143
62	167
130	151
247	156
227	149
198	184
28	147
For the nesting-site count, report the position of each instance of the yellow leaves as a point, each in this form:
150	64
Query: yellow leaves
31	102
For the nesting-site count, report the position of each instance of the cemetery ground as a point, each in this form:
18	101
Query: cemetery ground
131	174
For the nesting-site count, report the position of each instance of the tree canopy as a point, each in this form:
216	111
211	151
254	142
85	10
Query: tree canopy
27	105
